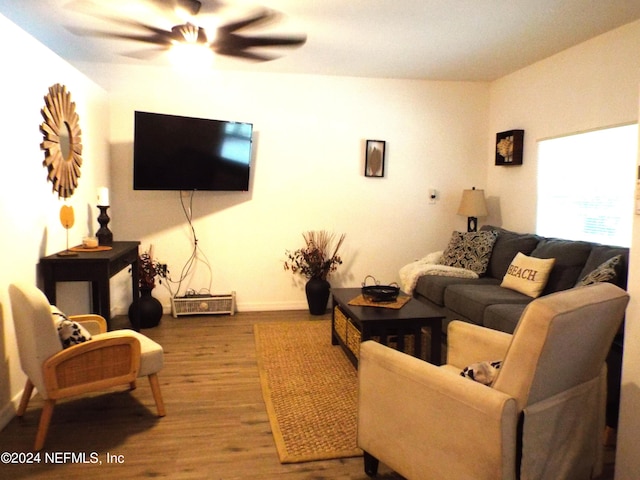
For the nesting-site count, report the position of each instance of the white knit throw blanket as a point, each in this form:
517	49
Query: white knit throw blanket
409	274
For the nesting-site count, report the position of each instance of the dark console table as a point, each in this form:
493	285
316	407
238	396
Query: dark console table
96	267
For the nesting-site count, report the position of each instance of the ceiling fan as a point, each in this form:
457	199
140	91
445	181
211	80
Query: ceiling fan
224	40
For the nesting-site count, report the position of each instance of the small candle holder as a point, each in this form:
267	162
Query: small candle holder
105	237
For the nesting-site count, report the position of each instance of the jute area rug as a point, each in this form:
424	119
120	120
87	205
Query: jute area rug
310	391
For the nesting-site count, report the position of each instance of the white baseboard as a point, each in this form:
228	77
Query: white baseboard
8	411
240	307
271	306
117	311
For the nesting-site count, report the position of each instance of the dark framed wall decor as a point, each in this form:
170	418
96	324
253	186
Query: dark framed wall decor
374	162
509	147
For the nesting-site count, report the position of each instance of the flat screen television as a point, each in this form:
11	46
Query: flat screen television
172	152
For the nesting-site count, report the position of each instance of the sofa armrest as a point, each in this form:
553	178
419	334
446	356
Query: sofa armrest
412	416
468	343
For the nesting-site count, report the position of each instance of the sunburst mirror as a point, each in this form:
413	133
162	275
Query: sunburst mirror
62	141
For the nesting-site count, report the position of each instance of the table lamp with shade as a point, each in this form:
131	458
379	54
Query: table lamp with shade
472	206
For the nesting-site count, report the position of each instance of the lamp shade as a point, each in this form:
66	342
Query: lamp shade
473	204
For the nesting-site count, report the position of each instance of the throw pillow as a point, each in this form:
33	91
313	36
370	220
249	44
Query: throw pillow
528	275
482	372
605	272
470	250
70	332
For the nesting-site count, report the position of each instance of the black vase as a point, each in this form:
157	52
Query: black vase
317	291
149	307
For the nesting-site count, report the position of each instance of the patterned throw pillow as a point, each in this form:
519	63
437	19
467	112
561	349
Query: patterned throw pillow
528	275
605	272
470	251
70	332
482	372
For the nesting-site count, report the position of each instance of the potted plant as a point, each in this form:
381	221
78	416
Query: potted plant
316	261
148	269
147	306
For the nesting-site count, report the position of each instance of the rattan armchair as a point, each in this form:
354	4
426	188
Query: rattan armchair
109	359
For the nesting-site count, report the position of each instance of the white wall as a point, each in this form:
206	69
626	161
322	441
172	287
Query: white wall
29	211
308	171
307	174
590	86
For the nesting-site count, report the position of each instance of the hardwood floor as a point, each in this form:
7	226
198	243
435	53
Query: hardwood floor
216	425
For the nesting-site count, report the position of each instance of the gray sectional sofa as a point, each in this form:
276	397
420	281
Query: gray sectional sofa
483	301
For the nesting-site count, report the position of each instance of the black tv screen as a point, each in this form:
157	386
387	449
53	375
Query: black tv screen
172	152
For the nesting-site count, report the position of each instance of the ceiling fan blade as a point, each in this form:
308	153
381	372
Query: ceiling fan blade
267	41
152	39
212	7
229	42
157	36
146	54
136	24
192	6
246	55
261	17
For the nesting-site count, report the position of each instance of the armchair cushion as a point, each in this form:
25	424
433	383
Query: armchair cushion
151	356
151	352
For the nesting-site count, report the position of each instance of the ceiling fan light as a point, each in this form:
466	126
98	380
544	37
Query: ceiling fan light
215	38
188	33
210	29
188	55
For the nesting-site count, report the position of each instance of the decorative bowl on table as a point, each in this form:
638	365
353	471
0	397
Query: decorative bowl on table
379	293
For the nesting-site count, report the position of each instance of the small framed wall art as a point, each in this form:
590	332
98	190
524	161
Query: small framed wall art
509	147
374	162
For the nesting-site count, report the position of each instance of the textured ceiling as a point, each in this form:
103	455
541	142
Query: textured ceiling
467	40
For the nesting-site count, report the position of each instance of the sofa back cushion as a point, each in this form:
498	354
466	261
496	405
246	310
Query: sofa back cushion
507	245
570	256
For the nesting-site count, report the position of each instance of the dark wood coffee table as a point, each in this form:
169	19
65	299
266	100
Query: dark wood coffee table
351	325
